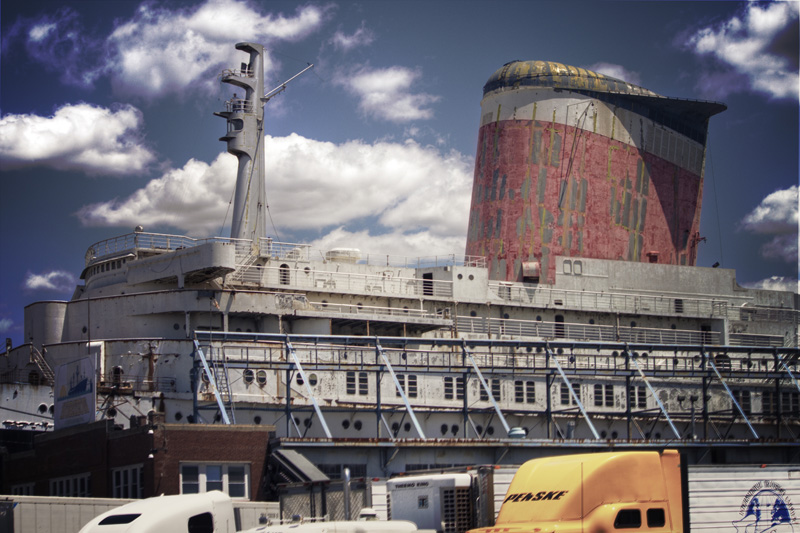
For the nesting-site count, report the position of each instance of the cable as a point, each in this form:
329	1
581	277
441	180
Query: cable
716	206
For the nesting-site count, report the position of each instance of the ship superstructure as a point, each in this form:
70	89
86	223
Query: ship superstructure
386	364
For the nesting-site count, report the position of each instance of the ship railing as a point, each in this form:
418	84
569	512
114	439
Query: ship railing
347	282
238	105
764	314
237	72
358	309
750	339
138	384
150	242
504	356
584	332
605	301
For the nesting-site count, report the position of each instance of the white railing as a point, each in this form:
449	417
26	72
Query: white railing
749	339
608	301
403	312
328	281
584	332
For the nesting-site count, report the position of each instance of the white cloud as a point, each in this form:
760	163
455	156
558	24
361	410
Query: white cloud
419	197
80	137
361	37
387	93
777	213
6	324
776	283
396	244
616	71
760	44
193	198
56	280
164	51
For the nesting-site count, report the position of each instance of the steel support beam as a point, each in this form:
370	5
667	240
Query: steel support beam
653	393
572	392
296	360
379	351
212	383
485	386
710	361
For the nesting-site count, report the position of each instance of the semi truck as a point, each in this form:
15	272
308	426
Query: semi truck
603	492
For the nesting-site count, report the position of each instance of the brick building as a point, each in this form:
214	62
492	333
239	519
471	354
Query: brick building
102	460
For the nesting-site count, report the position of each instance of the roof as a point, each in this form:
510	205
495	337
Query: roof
559	76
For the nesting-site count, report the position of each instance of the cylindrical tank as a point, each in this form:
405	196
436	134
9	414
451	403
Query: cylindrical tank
571	162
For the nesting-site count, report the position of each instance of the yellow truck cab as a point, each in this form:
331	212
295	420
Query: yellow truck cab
596	493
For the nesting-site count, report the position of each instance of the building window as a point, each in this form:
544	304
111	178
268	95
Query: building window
495	385
449	384
69	486
448	388
412	386
351	383
524	391
24	489
519	391
603	395
742	397
566	397
637	397
530	392
232	479
363	384
127	482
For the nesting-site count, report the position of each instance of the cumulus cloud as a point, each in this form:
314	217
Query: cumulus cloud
776	215
164	51
56	280
760	44
413	192
776	283
6	324
361	37
80	137
616	71
387	93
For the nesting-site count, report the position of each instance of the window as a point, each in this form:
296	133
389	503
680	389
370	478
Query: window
449	384
412	386
232	479
351	383
530	392
284	274
566	397
201	523
127	482
656	518
495	385
742	397
603	395
637	397
248	375
519	392
448	388
524	392
79	485
628	519
24	489
363	384
261	377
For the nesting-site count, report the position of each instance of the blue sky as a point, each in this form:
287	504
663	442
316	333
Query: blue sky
107	120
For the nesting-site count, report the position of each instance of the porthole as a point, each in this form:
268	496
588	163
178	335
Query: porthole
111	412
633	323
217	417
395	427
359	306
591	321
460	276
443	429
307	422
614	434
471	277
248	375
454	429
357	425
179	416
312	379
42	408
473	313
505	315
84	329
190	419
51	409
256	420
603	434
299	379
407	426
345	424
405	309
176	326
307	270
490	430
261	377
479	429
324	303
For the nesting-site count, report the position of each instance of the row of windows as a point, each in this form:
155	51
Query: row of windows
232	479
71	486
771	402
107	267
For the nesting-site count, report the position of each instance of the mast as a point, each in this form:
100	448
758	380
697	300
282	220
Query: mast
245	137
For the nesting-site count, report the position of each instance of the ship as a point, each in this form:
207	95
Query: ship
576	319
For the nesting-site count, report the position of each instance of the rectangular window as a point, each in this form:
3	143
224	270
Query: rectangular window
401	379
609	395
127	482
351	383
448	388
566	397
71	486
412	386
742	397
603	395
232	479
637	396
363	384
460	388
495	385
598	395
519	391
24	489
530	392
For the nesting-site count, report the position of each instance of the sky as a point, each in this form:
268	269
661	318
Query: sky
106	120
